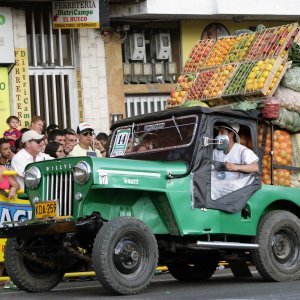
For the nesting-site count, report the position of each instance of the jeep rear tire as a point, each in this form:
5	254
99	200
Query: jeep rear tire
26	274
125	255
194	268
278	255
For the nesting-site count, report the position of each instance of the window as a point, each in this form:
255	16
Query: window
154	137
51	69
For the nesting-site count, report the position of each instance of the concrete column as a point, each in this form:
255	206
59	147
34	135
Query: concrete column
20	41
93	78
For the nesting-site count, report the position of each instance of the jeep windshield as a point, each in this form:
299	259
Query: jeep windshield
166	139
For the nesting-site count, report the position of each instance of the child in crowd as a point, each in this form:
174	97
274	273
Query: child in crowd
12	133
37	124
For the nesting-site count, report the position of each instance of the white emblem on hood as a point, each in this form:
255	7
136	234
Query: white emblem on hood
131	181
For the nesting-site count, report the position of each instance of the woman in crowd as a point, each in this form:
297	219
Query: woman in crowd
55	149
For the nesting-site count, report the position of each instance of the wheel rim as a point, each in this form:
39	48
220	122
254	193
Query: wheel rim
129	254
285	247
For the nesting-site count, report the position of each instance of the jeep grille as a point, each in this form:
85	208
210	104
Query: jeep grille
60	186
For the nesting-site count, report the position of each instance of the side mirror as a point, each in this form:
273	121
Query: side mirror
222	142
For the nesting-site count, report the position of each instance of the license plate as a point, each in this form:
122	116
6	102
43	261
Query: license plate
45	209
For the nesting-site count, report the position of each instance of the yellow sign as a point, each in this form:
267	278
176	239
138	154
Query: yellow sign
79	94
2	244
75	14
4	99
22	87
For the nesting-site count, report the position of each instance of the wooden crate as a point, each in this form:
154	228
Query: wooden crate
276	83
210	84
240	48
271	42
219	51
237	84
266	83
178	94
198	55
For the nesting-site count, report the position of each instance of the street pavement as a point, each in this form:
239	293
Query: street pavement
221	286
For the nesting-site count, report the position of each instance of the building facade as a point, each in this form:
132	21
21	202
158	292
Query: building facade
126	68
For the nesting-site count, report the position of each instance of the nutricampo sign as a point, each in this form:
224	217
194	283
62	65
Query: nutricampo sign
75	14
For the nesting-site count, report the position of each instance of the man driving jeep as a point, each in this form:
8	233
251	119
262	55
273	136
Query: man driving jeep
235	162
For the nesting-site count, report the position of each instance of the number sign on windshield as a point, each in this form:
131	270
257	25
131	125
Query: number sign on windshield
120	143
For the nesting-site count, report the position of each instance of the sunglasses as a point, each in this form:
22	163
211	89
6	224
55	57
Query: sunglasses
37	141
90	133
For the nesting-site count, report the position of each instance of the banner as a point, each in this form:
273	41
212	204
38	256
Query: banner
75	14
12	210
21	85
4	100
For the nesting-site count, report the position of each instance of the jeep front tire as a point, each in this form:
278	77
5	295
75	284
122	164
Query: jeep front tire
125	255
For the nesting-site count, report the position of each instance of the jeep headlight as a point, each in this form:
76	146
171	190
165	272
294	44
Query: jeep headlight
32	177
82	172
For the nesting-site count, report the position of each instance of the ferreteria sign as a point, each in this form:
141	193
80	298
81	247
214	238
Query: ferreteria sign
75	14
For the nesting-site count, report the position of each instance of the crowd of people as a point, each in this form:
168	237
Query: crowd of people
18	148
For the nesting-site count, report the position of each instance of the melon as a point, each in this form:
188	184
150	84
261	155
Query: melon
192	103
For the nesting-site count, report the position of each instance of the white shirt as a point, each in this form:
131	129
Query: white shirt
78	151
239	155
223	183
21	159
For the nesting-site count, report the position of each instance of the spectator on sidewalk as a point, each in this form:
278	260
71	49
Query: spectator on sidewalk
18	144
37	124
85	146
55	150
5	153
70	140
51	127
57	135
32	146
103	138
8	182
12	133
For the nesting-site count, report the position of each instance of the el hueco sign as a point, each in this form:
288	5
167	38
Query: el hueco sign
75	14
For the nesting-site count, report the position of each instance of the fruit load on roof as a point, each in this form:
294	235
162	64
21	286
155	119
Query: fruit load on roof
235	68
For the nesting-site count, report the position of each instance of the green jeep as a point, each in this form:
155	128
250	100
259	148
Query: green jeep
151	203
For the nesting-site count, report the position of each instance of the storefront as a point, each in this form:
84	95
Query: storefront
69	75
59	74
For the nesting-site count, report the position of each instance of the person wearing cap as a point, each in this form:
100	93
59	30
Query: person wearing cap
32	146
239	161
85	146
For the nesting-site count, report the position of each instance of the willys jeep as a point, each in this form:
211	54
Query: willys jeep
152	202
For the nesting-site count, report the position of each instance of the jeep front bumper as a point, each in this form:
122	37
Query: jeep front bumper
31	228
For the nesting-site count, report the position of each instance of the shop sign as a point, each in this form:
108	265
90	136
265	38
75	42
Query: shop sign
4	98
21	86
6	37
75	14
